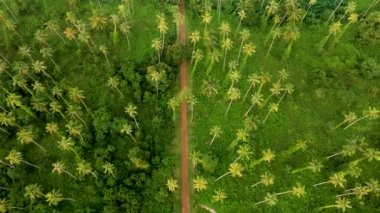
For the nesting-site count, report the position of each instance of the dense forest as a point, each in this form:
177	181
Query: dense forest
283	105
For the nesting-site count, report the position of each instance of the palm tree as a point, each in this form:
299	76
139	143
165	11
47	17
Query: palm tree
337	179
39	66
337	7
171	184
270	199
266	179
114	19
298	191
52	128
349	9
47	52
75	112
26	136
347	150
340	203
127	129
199	184
109	169
219	196
15	158
233	94
33	191
126	29
53	26
235	170
314	166
248	50
194	39
371	113
268	156
234	76
219	7
253	79
24	51
155	76
373	3
348	118
215	131
224	29
97	21
84	168
226	45
241	135
352	19
256	100
7	119
4	206
76	95
198	55
157	46
334	29
192	100
244	36
242	15
54	197
162	27
104	50
173	104
273	107
276	33
41	37
214	57
244	152
206	19
310	3
113	82
74	129
9	10
195	158
290	34
59	167
131	110
66	144
209	88
289	89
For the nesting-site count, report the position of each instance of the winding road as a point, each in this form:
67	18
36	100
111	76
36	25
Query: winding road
185	176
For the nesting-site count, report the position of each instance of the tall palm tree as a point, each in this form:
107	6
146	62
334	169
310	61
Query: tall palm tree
234	77
194	39
226	45
97	21
126	29
336	8
74	129
276	33
371	114
244	36
224	30
253	79
115	20
336	179
162	27
113	82
214	57
172	184
26	136
273	107
270	199
297	191
154	76
233	94
127	129
219	196
347	150
248	50
104	50
109	169
206	19
340	203
15	158
173	104
215	131
33	191
256	100
200	184
314	166
348	118
157	46
5	206
310	3
47	52
290	34
9	10
54	197
77	96
84	168
198	55
334	29
59	167
244	152
74	112
195	158
288	90
39	66
234	170
131	110
242	15
268	156
266	179
53	26
52	128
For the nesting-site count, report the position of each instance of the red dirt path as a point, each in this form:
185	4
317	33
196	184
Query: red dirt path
185	177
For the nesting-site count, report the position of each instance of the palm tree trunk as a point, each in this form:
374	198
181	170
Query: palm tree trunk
241	46
6	164
256	184
282	193
158	54
345	194
282	97
337	126
39	146
335	11
5	36
249	89
192	54
250	108
108	62
238	158
69	174
300	170
271	45
194	67
121	94
266	117
222	176
229	105
134	140
330	156
260	202
210	66
307	11
224	60
30	164
212	140
219	8
156	87
9	10
374	2
322	183
356	121
134	118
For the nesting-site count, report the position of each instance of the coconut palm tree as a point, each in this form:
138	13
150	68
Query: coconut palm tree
359	191
113	82
47	52
77	96
157	46
26	136
171	184
234	170
97	22
15	158
297	191
39	66
74	129
270	199
215	131
347	150
248	50
244	152
242	15
24	51
273	107
5	206
33	191
115	20
371	114
226	45
206	20
54	197
224	30
244	36
349	9
336	8
162	27
348	118
340	203
288	89
256	100
310	3
192	100
233	95
290	34
104	50
275	33
131	110
373	3
209	89
173	104
127	129
334	29
53	26
74	112
109	169
352	19
7	119
219	196
314	166
198	55
219	7
199	184
214	57
9	10
195	158
155	76
126	29
266	179
59	167
337	179
253	79
194	39
52	128
84	168
234	77
268	156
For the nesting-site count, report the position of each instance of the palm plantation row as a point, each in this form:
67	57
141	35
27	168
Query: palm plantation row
225	56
